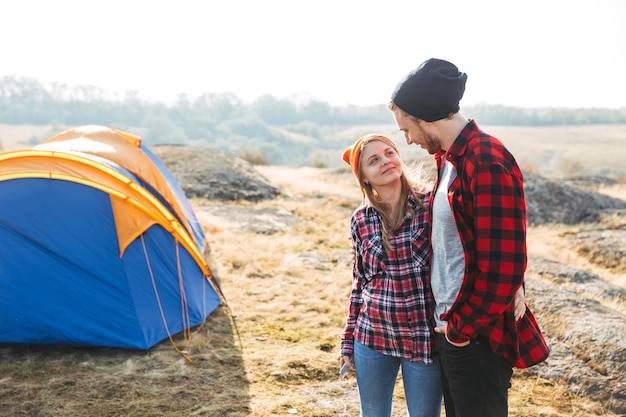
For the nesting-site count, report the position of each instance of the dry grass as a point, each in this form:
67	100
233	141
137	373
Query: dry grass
65	381
530	396
563	151
14	137
288	296
616	191
287	293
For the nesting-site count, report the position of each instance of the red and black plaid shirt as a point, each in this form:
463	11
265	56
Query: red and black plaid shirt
391	300
487	201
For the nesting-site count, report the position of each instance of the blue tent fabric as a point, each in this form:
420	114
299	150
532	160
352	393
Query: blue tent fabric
63	281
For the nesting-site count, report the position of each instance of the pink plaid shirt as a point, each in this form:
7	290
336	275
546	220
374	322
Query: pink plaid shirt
391	300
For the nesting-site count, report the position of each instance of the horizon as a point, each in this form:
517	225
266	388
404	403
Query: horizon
119	96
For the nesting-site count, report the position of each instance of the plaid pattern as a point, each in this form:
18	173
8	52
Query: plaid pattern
391	301
487	200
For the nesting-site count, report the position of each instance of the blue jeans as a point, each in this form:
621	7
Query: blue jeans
475	380
376	378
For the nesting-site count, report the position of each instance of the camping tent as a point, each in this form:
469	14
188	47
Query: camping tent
98	245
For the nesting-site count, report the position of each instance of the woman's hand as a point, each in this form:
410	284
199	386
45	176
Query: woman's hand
346	367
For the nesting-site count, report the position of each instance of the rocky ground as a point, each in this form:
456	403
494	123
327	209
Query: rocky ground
582	313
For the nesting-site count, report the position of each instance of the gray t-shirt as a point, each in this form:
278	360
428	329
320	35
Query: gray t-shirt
448	264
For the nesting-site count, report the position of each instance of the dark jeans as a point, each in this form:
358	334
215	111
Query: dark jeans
475	381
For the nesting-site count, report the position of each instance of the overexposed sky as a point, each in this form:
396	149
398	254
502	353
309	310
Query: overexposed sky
565	53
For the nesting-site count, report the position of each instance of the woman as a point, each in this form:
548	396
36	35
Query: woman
390	320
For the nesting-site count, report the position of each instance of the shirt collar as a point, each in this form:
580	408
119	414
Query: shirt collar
414	205
459	146
412	201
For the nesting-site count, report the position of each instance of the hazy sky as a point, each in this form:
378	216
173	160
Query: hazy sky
528	53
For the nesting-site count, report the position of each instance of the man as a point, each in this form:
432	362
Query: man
478	214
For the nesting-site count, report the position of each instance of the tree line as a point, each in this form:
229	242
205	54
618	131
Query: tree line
267	130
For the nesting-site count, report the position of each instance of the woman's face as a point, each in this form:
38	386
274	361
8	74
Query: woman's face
380	164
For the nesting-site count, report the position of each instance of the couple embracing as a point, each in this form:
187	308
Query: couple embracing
438	275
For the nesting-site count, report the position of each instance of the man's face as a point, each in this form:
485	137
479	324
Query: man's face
417	131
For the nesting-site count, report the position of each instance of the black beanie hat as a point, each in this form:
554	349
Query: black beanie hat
432	91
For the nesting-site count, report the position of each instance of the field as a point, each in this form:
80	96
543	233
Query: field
284	268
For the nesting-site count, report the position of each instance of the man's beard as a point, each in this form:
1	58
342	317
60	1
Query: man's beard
432	144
